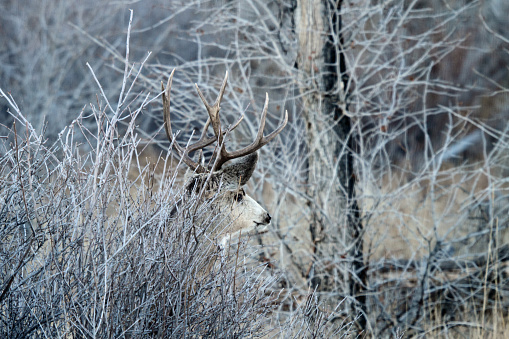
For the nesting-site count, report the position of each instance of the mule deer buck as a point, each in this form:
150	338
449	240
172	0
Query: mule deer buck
219	184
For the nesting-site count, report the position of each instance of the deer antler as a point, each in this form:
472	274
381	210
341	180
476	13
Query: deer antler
221	155
183	152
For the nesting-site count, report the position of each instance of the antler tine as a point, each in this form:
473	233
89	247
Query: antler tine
204	132
220	154
183	153
259	135
213	111
259	141
236	123
275	132
166	113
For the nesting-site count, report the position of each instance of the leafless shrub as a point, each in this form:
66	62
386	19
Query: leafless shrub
91	245
89	252
426	97
427	92
427	159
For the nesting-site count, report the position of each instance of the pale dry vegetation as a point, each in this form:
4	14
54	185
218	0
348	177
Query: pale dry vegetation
86	233
90	247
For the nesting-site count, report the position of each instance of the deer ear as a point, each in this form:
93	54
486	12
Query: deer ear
194	183
239	170
199	181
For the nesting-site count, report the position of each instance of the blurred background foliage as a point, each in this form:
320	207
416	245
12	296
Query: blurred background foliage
426	93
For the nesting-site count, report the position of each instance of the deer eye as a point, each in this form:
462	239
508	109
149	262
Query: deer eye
240	196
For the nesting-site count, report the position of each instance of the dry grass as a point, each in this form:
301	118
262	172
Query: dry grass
88	247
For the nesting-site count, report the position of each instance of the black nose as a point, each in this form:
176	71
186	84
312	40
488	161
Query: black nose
267	218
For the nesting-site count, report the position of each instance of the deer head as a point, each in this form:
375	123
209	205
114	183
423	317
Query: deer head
220	183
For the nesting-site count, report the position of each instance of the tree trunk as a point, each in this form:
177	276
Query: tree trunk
338	270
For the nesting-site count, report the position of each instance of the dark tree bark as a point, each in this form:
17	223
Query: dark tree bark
338	269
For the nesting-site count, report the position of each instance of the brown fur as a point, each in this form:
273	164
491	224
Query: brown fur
221	193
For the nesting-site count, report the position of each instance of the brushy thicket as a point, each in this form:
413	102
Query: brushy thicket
89	247
427	95
88	251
